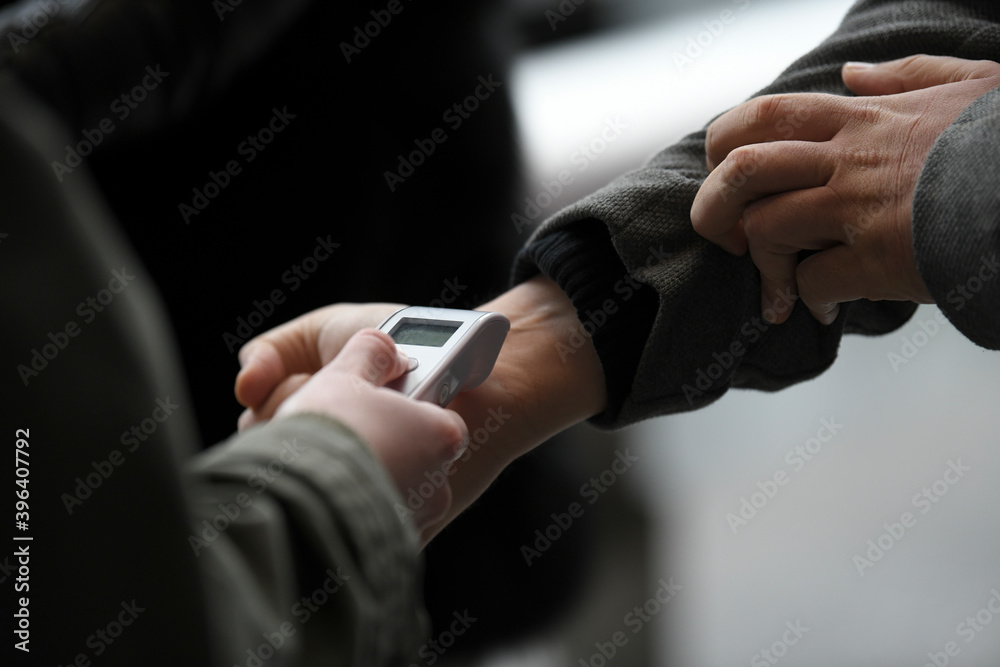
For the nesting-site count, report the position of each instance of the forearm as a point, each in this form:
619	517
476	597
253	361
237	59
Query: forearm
547	378
548	358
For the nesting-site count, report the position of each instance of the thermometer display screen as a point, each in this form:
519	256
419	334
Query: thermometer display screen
423	332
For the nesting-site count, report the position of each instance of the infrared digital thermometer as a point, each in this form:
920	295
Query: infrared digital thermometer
449	350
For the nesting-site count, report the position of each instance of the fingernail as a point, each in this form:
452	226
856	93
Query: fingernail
244	355
461	448
830	316
409	362
244	420
858	66
767	310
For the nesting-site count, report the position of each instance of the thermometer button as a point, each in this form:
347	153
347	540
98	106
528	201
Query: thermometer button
444	393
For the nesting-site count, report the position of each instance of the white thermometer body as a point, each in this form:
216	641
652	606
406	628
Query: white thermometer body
454	349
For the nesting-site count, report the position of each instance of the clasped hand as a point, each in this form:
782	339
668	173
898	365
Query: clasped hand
834	175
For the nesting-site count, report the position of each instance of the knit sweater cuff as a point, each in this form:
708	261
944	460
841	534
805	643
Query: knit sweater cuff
615	310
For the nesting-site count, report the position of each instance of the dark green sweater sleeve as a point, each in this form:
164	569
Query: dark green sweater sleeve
706	333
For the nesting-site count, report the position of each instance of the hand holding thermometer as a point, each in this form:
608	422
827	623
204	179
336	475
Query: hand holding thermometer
449	350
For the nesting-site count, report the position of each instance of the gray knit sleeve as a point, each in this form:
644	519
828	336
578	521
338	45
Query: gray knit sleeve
956	222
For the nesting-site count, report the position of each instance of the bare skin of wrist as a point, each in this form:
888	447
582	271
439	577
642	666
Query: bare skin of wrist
532	393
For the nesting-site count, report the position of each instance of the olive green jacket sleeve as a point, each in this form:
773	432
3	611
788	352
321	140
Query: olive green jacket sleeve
303	551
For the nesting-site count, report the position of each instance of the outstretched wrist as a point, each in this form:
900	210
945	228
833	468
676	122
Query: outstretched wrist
549	362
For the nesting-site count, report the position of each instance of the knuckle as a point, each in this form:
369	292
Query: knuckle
711	138
766	110
914	62
986	69
868	110
742	162
916	65
861	158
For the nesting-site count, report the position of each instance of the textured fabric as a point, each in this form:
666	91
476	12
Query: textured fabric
956	211
280	547
88	48
586	265
87	357
708	334
352	594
